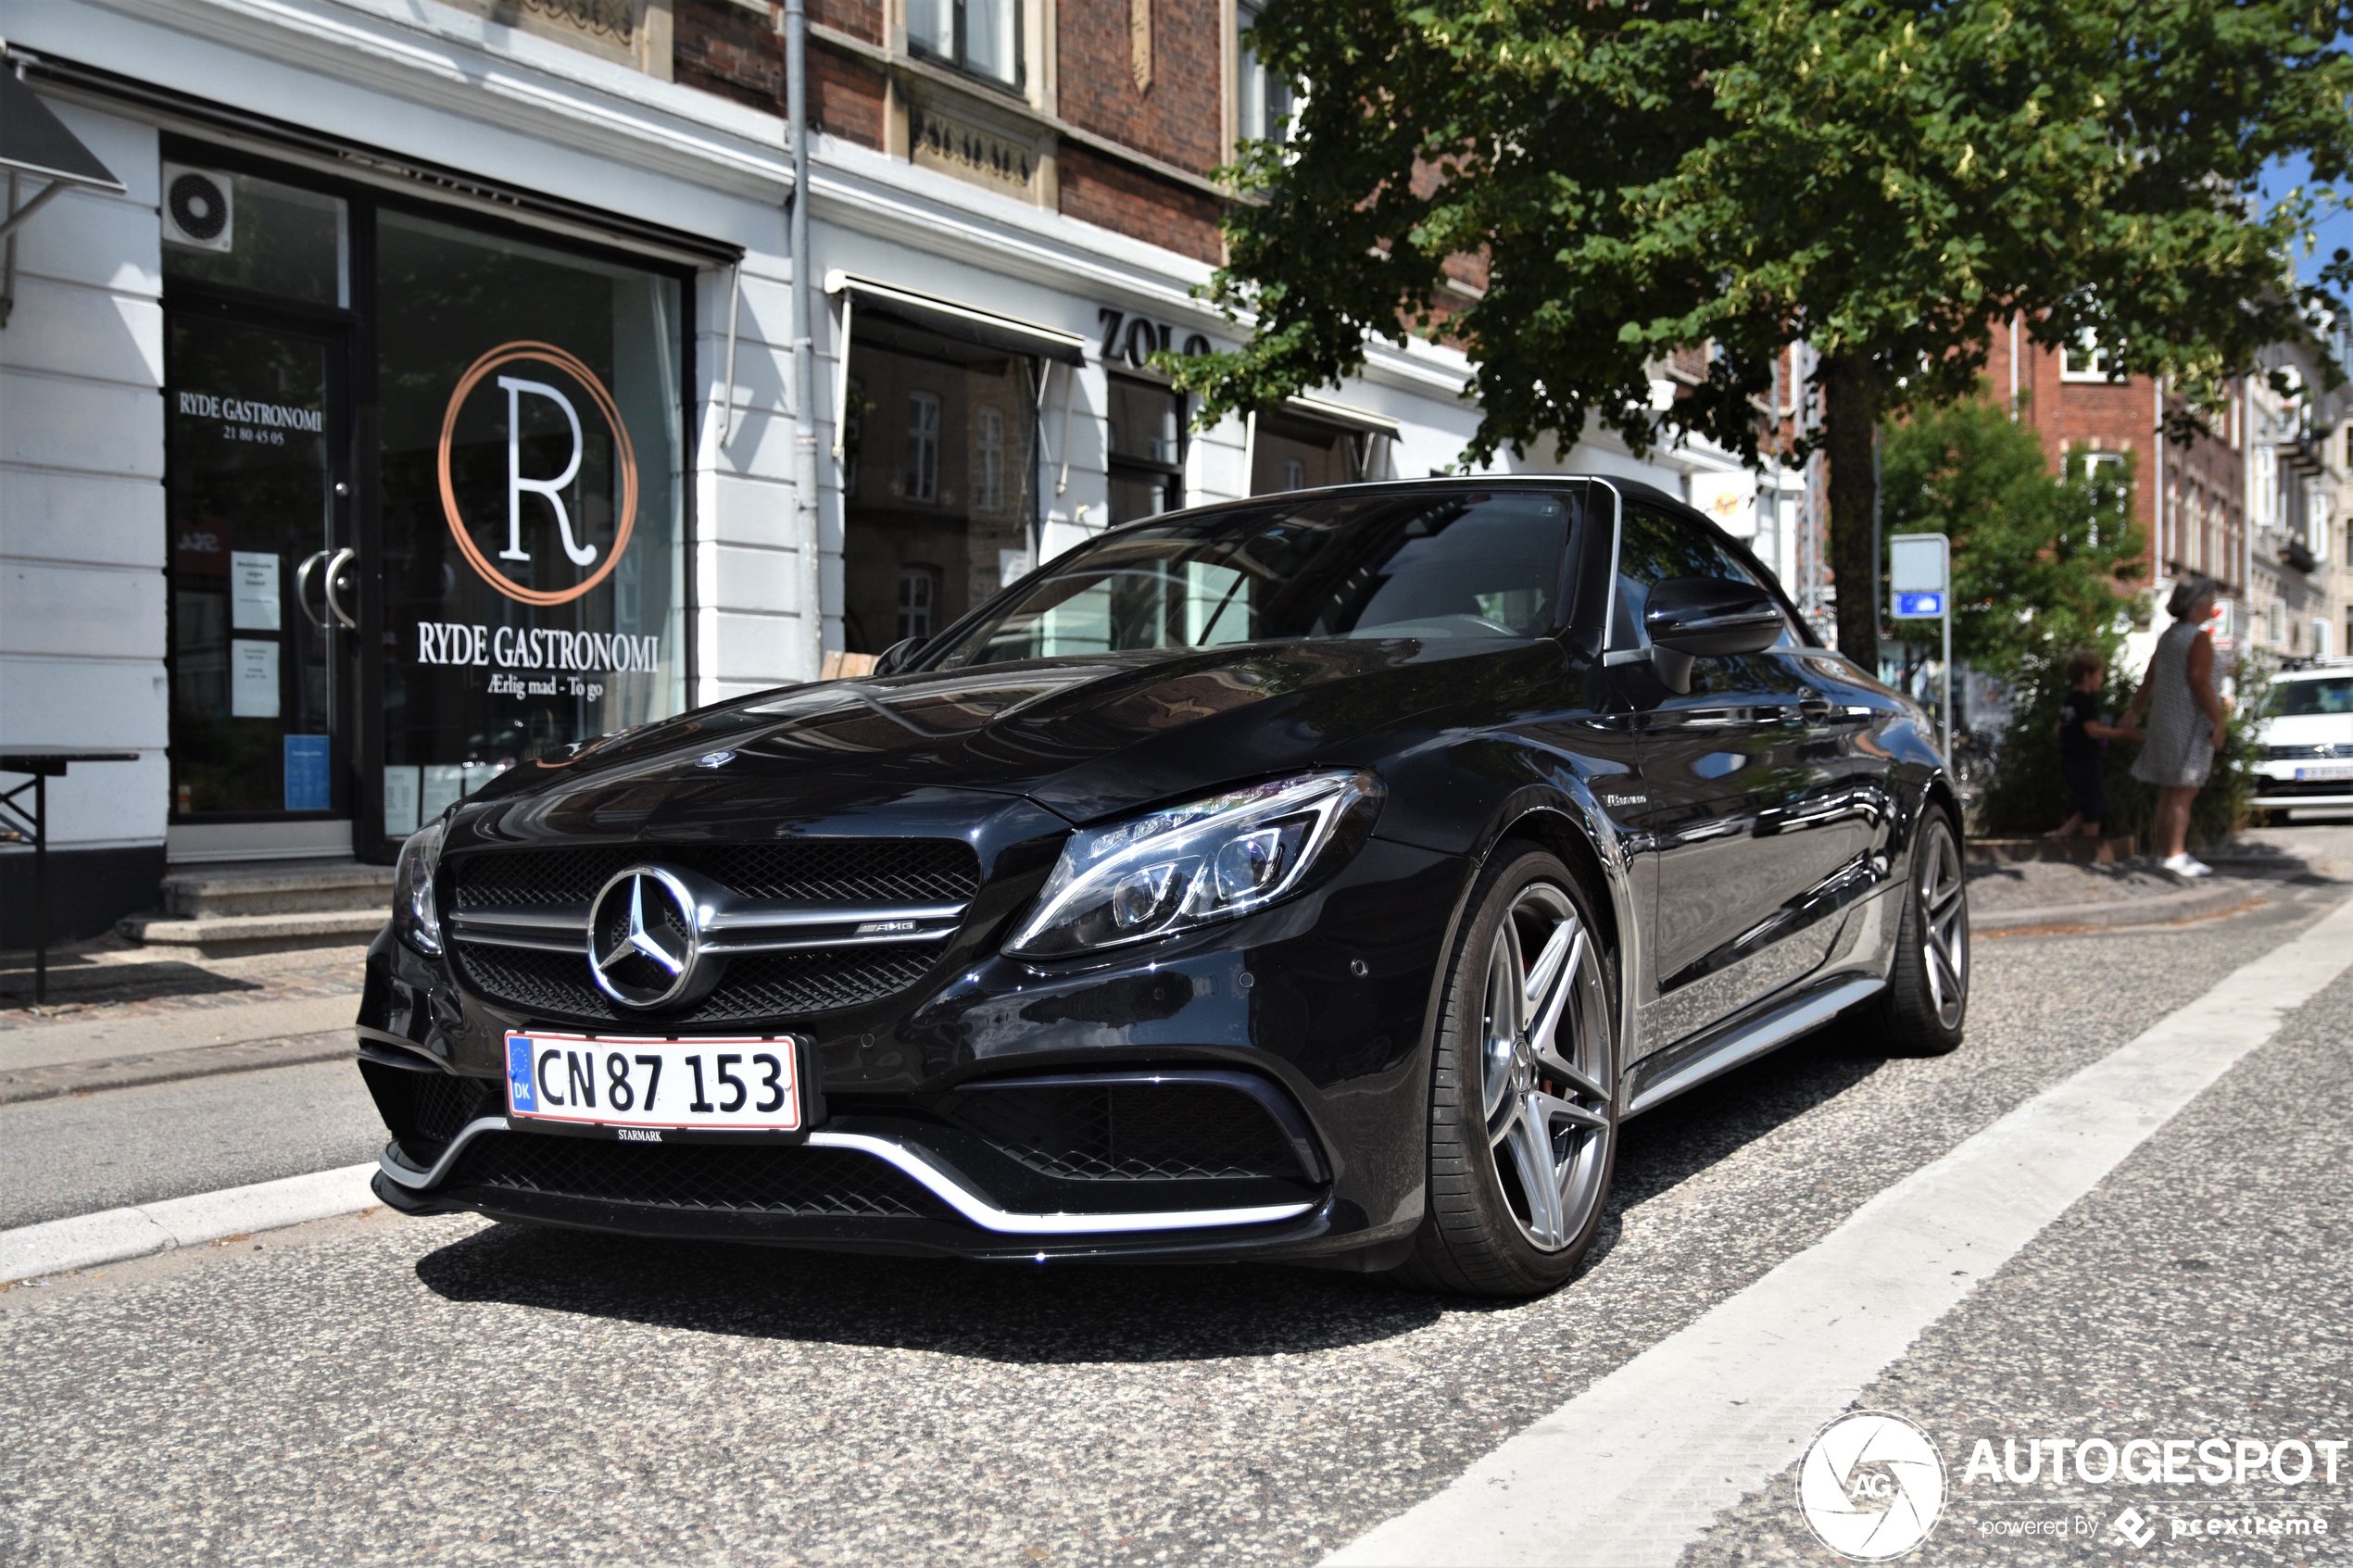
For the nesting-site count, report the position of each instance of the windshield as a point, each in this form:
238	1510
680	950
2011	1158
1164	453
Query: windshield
2295	698
1453	564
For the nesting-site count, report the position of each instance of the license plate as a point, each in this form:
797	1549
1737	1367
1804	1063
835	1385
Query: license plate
2327	771
729	1086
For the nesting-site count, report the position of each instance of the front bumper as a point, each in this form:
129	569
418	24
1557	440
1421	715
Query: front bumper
1309	1018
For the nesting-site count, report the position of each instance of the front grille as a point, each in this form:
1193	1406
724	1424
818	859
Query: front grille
1132	1131
849	872
822	871
755	986
720	1178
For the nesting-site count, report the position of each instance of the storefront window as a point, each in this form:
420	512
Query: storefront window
1147	451
936	479
532	520
1295	452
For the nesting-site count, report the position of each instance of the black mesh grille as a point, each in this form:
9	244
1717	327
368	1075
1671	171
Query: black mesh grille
424	1109
758	987
814	1182
444	1103
1132	1131
838	871
831	871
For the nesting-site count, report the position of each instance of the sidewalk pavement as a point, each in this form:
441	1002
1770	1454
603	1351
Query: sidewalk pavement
180	1019
2021	895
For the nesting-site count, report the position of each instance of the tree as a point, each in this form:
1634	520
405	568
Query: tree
2039	559
1882	179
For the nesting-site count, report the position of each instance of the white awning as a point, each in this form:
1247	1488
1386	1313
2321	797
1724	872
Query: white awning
962	322
1358	420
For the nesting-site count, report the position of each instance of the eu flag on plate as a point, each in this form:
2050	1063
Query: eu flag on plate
520	1089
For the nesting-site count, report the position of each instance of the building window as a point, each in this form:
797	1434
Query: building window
956	436
1293	452
923	447
988	440
980	37
1147	429
1263	102
2084	359
2274	619
918	592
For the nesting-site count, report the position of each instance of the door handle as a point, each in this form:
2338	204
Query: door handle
1817	711
302	587
343	557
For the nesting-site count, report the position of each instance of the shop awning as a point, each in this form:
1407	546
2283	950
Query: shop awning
1358	420
962	322
35	141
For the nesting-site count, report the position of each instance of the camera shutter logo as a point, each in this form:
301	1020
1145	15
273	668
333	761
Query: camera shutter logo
547	489
1871	1486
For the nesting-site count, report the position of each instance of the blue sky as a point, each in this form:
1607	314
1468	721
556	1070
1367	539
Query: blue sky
2335	229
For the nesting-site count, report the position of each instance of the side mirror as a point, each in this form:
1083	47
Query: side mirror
1689	618
897	656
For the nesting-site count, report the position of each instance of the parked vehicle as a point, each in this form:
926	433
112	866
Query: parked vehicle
2304	757
1324	877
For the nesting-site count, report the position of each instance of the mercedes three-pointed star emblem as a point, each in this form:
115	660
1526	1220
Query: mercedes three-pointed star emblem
644	941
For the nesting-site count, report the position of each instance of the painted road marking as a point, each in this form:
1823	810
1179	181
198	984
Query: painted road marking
1630	1472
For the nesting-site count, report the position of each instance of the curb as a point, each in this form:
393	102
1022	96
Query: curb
113	1235
23	1085
2191	903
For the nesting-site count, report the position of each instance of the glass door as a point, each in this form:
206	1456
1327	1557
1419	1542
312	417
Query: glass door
260	574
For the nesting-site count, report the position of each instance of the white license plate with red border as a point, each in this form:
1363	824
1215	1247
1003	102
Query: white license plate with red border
749	1086
2327	771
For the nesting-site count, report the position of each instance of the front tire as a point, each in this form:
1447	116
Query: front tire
1523	1116
1925	1007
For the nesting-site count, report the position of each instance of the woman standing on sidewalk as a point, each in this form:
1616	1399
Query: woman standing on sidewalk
2185	723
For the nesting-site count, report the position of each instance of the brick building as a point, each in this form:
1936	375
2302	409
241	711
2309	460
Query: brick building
2191	502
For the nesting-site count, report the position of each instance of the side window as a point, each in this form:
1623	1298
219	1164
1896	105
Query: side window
1656	545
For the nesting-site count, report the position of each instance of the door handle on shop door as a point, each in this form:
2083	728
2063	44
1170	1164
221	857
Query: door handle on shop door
343	557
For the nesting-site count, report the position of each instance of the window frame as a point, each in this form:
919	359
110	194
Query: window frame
1169	476
958	55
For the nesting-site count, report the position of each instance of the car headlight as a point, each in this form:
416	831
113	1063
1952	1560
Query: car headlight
413	915
1189	865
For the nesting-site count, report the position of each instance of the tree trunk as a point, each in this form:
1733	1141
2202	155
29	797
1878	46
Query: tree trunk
1851	390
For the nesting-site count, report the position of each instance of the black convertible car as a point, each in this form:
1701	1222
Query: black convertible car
1324	877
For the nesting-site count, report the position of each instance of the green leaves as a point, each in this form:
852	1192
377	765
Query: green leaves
1889	177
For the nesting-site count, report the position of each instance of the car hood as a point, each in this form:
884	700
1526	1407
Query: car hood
1086	739
2309	729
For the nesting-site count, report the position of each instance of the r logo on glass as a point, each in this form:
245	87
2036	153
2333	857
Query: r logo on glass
525	451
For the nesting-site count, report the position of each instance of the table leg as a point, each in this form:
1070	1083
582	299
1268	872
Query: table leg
39	890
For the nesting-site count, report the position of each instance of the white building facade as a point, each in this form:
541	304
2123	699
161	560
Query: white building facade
422	407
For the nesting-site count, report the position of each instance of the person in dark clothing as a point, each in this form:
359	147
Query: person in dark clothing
2082	729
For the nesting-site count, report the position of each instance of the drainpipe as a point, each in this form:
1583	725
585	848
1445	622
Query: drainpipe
804	353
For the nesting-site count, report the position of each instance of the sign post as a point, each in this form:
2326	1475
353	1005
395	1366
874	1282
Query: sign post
1919	573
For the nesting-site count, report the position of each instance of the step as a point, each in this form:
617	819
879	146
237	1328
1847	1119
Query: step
229	936
276	887
2111	850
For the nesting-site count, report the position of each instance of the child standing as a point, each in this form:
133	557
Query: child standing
2081	731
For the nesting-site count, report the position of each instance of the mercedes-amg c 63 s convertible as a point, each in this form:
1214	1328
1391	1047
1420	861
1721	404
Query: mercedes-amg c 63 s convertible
1324	877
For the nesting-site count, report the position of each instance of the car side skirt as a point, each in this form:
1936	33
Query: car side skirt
1656	1080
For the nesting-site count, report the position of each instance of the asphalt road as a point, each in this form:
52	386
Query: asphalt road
79	1153
385	1390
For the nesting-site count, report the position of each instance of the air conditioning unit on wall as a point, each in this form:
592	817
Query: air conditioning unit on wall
199	208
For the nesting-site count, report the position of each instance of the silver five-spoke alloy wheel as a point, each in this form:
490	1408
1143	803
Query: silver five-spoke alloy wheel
1943	923
1543	1062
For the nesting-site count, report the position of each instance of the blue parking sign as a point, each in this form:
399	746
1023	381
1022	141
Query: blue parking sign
1919	607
